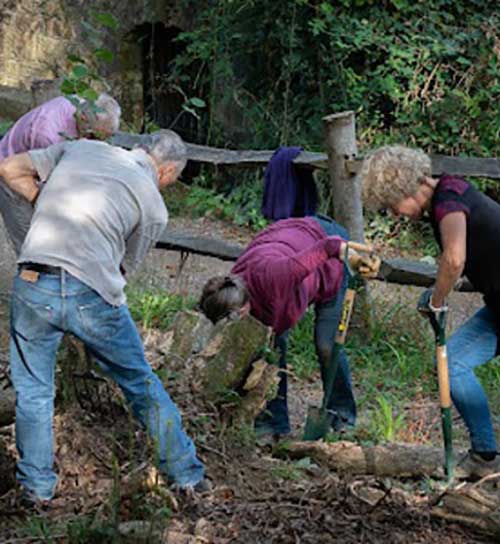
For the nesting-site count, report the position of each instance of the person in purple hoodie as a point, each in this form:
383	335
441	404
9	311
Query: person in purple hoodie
466	225
290	265
50	123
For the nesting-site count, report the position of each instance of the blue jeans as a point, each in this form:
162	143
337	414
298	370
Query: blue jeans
327	315
472	345
41	313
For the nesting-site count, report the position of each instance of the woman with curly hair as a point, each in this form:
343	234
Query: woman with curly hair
466	225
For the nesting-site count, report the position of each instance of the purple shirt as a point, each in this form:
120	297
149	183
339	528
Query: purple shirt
289	265
43	126
39	128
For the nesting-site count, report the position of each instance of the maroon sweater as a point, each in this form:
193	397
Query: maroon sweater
289	265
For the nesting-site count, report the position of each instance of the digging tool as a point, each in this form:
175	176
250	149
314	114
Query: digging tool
438	323
319	419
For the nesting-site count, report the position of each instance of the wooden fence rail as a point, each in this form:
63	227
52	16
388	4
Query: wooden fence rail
465	166
400	271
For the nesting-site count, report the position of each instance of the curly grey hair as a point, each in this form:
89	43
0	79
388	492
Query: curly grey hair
99	116
392	173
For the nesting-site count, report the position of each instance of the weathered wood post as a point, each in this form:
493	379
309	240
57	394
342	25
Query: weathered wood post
346	188
341	148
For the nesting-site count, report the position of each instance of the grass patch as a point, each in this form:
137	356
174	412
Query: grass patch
156	308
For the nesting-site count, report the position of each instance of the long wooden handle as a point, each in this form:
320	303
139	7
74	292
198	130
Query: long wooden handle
346	316
443	377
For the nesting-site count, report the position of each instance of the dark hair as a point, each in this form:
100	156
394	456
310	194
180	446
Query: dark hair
223	295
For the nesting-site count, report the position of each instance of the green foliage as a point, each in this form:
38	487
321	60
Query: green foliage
402	234
301	351
423	73
240	205
83	529
155	308
292	471
4	127
385	426
84	77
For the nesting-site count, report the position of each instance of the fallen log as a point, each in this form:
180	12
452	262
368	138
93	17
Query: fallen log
399	460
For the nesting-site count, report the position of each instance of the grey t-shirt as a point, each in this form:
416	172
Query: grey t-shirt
99	208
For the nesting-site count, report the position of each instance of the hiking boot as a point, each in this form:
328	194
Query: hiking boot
473	467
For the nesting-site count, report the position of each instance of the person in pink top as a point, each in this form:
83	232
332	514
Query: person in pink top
288	266
50	123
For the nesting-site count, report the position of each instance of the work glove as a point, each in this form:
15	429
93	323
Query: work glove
436	316
366	265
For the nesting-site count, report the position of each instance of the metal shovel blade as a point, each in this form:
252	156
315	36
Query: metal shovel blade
318	423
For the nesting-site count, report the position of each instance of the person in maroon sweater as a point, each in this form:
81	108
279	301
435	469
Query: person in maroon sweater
290	265
466	225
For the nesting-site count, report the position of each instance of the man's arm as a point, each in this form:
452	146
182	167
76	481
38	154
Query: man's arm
140	241
453	228
20	175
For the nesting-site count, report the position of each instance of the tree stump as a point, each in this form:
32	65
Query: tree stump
224	362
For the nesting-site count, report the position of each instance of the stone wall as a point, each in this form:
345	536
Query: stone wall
37	35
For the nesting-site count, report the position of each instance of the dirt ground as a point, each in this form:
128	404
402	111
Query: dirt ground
105	463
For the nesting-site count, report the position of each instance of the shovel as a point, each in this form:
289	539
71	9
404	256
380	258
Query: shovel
319	419
438	324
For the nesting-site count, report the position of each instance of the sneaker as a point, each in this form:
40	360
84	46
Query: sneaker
473	467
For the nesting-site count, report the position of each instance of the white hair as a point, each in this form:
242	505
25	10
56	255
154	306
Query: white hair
103	115
165	146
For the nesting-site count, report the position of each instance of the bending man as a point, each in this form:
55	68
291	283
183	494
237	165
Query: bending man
100	209
288	266
466	225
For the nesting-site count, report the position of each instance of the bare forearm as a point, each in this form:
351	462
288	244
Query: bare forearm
18	173
449	272
451	265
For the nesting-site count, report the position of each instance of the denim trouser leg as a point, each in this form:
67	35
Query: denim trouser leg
327	317
33	346
41	312
473	344
342	401
275	416
112	336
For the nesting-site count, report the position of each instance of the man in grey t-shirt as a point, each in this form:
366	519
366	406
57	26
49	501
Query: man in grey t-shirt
99	212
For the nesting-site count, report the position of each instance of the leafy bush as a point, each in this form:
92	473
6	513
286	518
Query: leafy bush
422	73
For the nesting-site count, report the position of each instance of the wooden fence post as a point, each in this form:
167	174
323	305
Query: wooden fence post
346	187
346	194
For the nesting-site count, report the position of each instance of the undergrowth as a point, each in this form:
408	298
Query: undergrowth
155	308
